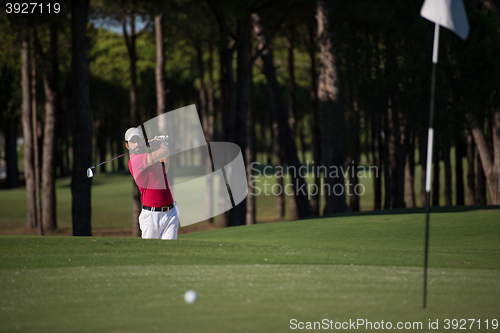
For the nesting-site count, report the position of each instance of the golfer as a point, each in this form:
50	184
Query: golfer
159	216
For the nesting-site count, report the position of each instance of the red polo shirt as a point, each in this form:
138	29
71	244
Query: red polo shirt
152	181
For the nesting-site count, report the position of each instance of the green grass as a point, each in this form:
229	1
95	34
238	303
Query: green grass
255	278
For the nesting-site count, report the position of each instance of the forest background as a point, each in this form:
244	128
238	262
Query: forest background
291	82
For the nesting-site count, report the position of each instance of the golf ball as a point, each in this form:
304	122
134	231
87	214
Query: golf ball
190	296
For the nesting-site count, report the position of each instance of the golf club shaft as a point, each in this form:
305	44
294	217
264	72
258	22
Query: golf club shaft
114	158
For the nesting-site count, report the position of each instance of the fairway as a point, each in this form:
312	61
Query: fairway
257	278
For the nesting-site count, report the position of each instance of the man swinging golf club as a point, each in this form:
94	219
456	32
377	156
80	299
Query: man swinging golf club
159	217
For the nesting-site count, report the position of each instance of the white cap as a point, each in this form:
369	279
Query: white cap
131	132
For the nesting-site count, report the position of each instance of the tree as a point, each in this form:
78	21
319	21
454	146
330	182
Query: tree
130	41
227	84
50	85
409	174
316	140
330	112
207	122
29	173
244	123
161	96
478	59
36	149
459	180
251	154
490	161
82	130
471	181
280	115
292	108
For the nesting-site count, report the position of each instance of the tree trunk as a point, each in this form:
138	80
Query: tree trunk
292	113
10	134
228	98
210	131
459	174
422	145
352	162
436	171
29	173
352	122
330	113
110	141
236	101
82	148
229	123
410	174
403	135
62	151
397	171
280	115
278	153
300	130
471	174
59	148
204	121
134	115
239	125
481	183
393	133
50	84
387	165
210	125
316	137
202	95
481	179
377	130
251	156
224	88
447	176
494	176
161	95
393	155
491	164
66	107
285	136
377	162
271	146
290	44
36	148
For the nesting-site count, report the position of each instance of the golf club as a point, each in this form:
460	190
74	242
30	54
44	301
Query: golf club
90	173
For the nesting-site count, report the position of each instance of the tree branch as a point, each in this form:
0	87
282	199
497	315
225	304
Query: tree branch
125	35
38	47
271	34
220	21
144	28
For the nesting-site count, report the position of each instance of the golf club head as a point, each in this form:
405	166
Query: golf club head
90	173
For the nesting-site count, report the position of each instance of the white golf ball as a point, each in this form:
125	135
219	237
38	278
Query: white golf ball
190	296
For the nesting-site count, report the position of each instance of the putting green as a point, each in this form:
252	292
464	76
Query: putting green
254	298
257	278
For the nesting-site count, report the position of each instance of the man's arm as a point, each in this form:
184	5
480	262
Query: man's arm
161	153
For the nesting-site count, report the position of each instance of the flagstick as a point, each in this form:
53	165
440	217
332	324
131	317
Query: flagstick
430	139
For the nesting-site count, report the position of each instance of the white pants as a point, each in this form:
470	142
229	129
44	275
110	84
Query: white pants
159	225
